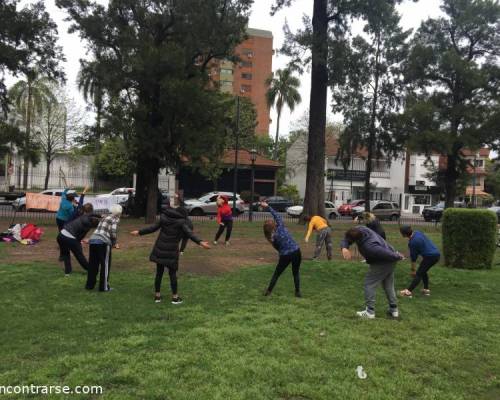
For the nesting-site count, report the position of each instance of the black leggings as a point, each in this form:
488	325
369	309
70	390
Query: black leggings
229	226
172	272
68	246
295	259
421	275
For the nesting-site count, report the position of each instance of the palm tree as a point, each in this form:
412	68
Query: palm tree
282	89
90	85
30	97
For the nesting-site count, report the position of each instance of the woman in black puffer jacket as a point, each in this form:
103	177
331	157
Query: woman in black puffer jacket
173	227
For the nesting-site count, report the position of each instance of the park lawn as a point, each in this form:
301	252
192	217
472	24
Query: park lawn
227	341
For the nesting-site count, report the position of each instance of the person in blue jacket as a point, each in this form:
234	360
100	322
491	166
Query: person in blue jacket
66	208
289	251
420	245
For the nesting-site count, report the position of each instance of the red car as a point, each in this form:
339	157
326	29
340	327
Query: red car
346	209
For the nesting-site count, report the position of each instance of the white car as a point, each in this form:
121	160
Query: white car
330	209
206	204
119	195
20	203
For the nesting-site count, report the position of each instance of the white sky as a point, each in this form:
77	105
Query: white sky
412	15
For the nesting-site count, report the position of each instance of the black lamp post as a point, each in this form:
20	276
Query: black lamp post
253	157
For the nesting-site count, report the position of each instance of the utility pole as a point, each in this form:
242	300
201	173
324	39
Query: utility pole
236	150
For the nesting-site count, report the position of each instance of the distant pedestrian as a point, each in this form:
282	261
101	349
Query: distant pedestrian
382	259
420	245
323	235
224	219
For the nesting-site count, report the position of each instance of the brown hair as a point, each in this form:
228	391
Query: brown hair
269	227
87	208
353	235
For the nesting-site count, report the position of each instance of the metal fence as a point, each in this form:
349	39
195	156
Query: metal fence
10	215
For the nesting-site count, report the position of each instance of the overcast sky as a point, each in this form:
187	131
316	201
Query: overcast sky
412	15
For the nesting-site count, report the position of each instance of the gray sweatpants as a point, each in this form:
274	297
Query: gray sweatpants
324	236
382	273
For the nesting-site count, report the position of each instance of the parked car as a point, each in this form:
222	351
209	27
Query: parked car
434	213
496	210
383	210
330	209
206	204
346	209
119	195
20	203
278	203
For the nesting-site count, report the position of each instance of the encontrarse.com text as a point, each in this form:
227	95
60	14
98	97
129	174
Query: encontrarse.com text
46	389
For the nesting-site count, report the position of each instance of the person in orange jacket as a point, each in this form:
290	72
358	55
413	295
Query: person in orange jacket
324	235
224	219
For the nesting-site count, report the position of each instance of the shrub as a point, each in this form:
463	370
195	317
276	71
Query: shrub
290	192
469	238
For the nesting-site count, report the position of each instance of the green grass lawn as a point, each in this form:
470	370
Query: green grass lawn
229	342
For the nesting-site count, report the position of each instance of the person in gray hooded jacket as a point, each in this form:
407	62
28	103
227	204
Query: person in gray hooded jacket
381	258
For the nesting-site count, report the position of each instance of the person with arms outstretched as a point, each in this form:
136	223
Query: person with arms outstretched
288	250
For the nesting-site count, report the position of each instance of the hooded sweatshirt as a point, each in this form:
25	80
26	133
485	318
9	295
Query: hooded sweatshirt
224	212
66	208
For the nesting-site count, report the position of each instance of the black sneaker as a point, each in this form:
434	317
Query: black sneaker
157	298
176	300
298	294
267	292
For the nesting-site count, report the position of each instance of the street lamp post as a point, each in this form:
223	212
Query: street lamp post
236	149
253	157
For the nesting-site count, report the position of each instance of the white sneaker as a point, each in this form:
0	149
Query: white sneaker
393	313
215	242
227	244
365	314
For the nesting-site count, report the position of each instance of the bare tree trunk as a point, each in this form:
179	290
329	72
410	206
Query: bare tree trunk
152	194
47	173
276	142
27	137
314	201
373	130
450	185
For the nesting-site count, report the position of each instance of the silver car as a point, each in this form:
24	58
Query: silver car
207	204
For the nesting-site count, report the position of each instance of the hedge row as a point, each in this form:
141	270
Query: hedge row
469	238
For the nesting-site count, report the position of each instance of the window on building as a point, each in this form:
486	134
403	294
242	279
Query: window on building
422	200
246	88
479	163
226	71
248	53
246	64
246	75
226	83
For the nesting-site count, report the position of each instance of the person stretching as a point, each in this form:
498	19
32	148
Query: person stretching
70	238
372	222
324	235
381	258
420	245
100	244
288	250
173	227
224	219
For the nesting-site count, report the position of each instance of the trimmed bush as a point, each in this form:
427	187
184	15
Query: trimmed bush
469	238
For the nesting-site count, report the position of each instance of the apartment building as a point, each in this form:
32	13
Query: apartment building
247	77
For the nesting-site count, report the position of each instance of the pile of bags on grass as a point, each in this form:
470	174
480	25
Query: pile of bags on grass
26	234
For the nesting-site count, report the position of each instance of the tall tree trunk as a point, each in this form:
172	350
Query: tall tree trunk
140	191
152	191
47	173
373	130
314	201
27	137
450	185
276	141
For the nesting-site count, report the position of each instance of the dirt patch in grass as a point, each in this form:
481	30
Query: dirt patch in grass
248	248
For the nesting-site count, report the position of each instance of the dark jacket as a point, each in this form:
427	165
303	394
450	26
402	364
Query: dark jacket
80	226
373	248
376	227
173	227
